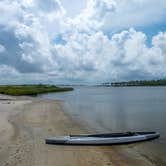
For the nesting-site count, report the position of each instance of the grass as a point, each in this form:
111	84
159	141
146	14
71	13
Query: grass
21	90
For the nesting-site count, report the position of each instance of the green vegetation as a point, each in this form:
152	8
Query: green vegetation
20	90
141	83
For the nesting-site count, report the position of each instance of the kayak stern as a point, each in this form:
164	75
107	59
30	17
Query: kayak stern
56	140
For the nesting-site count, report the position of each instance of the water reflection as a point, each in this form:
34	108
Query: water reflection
117	109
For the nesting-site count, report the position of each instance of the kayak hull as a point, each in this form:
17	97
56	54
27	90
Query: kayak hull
104	139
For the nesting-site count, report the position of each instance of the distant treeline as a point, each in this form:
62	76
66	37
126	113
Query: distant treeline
161	82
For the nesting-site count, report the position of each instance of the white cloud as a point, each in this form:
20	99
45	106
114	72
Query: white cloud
2	48
23	31
73	7
28	29
7	74
124	56
93	16
115	15
135	13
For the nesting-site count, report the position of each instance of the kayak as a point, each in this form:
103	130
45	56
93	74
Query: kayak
103	139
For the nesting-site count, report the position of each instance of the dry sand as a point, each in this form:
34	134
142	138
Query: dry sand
25	123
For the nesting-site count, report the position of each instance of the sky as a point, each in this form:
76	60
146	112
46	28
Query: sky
82	42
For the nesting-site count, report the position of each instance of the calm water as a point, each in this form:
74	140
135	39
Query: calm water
105	109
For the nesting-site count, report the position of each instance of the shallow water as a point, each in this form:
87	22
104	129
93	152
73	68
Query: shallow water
115	109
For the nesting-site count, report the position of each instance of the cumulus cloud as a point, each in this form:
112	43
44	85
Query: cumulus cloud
135	13
2	48
115	15
124	56
92	17
135	58
25	36
39	42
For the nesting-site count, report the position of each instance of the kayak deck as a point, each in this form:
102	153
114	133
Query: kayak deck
103	139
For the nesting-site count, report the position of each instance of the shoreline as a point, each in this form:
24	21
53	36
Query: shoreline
25	122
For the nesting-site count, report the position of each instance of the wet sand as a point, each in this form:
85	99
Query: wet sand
25	123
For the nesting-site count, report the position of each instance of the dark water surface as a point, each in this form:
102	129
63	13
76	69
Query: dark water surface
115	109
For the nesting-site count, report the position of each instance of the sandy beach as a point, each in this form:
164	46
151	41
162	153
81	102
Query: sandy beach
25	122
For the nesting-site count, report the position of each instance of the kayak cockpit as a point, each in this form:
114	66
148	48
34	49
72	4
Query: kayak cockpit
125	134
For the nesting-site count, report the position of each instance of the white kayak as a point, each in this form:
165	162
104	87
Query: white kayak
104	139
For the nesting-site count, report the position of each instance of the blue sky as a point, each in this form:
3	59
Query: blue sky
61	41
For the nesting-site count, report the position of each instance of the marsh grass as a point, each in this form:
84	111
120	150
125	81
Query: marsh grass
20	90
